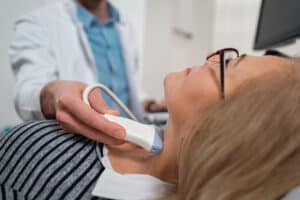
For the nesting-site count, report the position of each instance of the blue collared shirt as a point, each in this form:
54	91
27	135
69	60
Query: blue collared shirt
105	43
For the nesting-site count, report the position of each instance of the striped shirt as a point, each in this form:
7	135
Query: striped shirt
39	161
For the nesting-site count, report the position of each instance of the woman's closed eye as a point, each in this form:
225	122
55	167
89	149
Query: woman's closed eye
230	62
227	61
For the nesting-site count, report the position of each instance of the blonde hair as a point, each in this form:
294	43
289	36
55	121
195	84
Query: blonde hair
248	146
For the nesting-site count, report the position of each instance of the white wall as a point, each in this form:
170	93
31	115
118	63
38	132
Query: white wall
235	26
166	51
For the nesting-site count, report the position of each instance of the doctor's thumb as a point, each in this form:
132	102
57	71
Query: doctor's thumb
97	102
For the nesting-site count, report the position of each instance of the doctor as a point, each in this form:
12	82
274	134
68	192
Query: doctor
60	49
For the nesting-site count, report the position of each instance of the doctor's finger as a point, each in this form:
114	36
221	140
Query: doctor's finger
72	125
93	119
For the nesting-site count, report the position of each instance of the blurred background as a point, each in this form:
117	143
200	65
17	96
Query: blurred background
172	35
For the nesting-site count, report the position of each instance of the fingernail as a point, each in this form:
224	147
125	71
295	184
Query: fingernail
113	112
119	134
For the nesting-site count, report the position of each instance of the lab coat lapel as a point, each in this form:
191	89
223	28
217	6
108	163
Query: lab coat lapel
129	49
71	8
86	48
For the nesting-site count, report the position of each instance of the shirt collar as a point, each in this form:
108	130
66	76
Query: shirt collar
114	14
113	185
87	18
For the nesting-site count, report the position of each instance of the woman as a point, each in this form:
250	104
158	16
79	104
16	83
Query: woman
39	161
248	146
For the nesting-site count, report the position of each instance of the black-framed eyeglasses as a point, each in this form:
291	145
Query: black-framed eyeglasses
226	55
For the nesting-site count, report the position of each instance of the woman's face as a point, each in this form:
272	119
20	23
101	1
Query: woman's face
197	88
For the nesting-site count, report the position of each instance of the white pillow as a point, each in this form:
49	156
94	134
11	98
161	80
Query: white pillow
293	195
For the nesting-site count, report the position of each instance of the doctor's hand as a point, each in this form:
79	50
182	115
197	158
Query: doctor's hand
62	100
153	106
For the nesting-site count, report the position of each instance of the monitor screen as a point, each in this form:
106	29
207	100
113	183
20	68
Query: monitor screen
279	22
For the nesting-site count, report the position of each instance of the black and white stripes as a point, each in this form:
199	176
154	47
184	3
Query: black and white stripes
38	160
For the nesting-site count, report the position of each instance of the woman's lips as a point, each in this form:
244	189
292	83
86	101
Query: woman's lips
188	71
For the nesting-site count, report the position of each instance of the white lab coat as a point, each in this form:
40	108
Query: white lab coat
51	44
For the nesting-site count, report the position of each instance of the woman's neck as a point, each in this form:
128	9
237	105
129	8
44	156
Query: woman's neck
165	165
98	7
131	159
